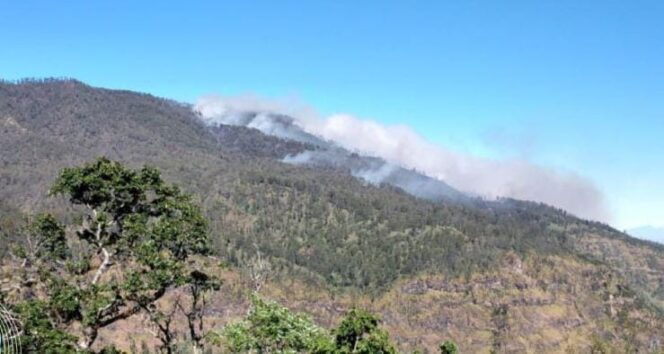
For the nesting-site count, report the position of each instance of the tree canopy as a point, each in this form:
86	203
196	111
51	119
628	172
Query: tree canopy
272	328
130	245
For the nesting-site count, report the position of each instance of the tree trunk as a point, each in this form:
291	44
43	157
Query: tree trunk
103	266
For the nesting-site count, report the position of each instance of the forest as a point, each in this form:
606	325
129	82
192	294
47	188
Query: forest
134	241
423	271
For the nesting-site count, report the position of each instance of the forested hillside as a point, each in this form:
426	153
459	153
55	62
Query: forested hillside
507	275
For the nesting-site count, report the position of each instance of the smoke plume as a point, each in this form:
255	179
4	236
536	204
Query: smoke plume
400	145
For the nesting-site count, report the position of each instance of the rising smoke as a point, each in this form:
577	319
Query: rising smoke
400	145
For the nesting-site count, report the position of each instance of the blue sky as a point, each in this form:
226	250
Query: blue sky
573	85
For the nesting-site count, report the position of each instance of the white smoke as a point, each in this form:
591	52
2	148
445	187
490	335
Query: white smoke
299	159
376	175
400	145
221	109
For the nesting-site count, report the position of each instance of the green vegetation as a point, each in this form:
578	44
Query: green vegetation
271	328
130	247
448	347
317	224
432	270
359	333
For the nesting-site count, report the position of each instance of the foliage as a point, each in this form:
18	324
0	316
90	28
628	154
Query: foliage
309	223
111	350
320	222
271	328
448	347
359	332
40	335
599	347
137	231
53	243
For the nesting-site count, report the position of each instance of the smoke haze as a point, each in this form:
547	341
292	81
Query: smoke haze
400	145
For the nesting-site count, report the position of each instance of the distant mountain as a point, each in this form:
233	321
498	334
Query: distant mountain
327	154
342	229
648	233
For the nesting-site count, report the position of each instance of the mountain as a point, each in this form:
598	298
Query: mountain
325	154
648	233
340	229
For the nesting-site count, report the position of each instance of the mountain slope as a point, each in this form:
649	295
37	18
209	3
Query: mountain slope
325	154
471	270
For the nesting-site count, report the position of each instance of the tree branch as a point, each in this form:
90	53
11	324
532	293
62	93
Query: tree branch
104	265
107	256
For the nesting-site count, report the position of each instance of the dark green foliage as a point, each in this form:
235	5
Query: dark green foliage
376	342
111	350
136	203
52	243
64	300
355	324
448	347
135	225
43	238
322	224
198	285
359	332
315	224
271	328
39	333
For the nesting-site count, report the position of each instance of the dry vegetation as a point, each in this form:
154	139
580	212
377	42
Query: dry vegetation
507	276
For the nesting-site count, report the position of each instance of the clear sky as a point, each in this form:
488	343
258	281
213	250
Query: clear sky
574	85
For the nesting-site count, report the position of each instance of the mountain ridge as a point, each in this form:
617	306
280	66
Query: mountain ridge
327	154
430	265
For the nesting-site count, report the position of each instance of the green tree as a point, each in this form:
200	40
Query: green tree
271	328
132	245
448	347
40	334
359	332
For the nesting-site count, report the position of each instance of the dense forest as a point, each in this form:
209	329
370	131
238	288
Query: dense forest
472	271
137	240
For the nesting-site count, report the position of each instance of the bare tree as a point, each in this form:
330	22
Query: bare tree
259	270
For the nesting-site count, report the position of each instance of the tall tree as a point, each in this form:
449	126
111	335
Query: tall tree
359	332
132	245
272	328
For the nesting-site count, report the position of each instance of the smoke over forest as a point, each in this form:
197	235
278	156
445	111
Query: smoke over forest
402	150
